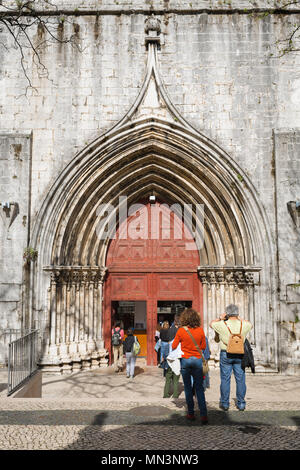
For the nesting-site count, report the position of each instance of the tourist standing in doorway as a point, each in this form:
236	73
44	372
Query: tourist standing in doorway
157	342
227	324
164	345
128	351
174	328
117	344
192	339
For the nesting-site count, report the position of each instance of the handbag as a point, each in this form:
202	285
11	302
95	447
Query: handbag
157	346
136	347
204	362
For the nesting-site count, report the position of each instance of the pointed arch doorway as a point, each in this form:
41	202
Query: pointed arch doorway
152	274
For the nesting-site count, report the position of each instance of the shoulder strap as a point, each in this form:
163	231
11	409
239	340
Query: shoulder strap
230	329
194	341
227	327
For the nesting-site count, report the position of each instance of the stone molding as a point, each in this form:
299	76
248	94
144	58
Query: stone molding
238	275
77	274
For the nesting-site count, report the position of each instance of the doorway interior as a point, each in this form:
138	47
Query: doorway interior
167	309
132	314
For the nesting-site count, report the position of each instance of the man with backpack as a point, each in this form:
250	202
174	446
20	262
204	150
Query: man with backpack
117	344
231	332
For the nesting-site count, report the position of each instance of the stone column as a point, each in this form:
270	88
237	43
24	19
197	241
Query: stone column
51	358
64	315
92	293
75	321
99	328
75	317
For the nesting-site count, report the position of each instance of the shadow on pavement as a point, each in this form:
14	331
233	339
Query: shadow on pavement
174	432
105	384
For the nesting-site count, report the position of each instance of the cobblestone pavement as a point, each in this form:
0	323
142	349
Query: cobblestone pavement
122	418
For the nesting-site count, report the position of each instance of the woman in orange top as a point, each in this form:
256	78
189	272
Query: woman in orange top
191	361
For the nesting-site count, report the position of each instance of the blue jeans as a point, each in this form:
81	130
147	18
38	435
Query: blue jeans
130	363
227	365
192	368
164	352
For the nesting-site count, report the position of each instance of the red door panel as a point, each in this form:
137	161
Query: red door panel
151	269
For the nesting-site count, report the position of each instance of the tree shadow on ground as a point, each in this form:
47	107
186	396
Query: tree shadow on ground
174	432
95	384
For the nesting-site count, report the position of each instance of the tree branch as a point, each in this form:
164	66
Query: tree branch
20	21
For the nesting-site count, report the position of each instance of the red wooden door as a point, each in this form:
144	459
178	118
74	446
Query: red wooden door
149	260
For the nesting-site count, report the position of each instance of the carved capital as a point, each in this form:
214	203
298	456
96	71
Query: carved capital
77	275
238	276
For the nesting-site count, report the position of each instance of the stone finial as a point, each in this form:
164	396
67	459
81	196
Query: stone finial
152	25
152	30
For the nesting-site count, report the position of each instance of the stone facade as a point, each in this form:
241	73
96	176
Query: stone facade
228	106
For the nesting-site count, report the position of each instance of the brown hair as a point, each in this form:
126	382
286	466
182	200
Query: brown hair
190	317
166	325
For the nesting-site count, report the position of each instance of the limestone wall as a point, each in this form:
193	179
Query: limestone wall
218	72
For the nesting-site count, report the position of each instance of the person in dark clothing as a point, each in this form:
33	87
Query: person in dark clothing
164	346
164	332
174	328
248	359
130	357
170	376
157	337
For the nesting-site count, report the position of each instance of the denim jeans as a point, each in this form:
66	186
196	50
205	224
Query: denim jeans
227	365
130	364
164	352
192	368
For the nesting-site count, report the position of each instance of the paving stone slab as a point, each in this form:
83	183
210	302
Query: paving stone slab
149	437
146	415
